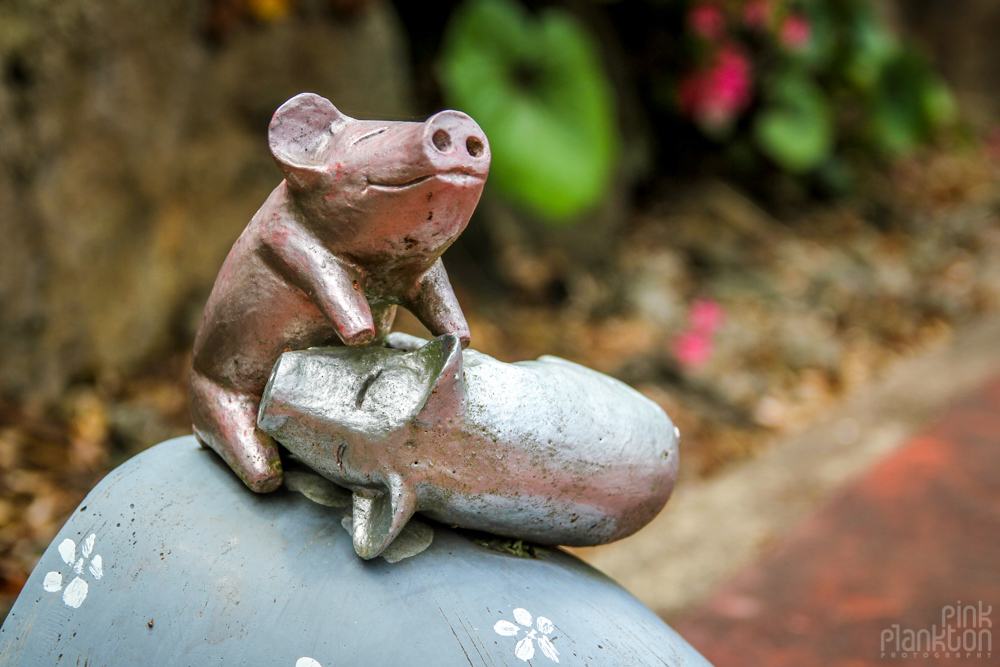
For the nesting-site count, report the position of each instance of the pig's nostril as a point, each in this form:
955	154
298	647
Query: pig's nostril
442	140
474	146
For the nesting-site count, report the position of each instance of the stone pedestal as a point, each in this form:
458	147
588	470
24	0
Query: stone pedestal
172	561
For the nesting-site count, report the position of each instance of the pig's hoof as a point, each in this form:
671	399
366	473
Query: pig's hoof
262	472
360	338
264	482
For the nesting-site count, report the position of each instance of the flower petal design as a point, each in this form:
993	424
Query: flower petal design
525	649
67	550
307	662
548	648
506	628
97	567
53	582
78	566
75	593
88	545
544	625
523	617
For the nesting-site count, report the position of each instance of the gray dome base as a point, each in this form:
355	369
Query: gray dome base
188	567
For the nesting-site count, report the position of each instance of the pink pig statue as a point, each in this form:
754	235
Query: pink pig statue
357	227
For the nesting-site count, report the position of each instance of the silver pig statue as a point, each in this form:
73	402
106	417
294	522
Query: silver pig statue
546	450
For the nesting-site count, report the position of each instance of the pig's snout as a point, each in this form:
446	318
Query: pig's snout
455	143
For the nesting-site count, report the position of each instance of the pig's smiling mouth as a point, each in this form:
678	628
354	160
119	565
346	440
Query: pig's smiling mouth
452	177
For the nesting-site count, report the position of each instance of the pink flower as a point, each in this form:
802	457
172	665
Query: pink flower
757	14
693	349
795	32
706	316
715	96
706	20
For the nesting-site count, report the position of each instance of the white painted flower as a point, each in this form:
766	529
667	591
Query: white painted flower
307	662
525	648
76	590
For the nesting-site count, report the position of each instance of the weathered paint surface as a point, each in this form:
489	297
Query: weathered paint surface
356	228
200	571
547	450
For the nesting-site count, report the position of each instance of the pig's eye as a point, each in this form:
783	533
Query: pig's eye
365	386
369	136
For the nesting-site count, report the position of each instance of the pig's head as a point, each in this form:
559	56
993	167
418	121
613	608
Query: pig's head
380	191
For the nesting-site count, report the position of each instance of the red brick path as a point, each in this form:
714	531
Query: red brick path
920	531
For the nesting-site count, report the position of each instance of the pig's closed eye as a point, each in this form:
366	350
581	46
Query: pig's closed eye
365	386
368	136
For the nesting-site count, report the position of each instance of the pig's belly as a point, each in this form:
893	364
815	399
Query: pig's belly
537	519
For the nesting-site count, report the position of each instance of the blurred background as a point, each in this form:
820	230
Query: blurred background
750	210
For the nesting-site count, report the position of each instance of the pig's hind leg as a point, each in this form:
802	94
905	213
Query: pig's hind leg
226	421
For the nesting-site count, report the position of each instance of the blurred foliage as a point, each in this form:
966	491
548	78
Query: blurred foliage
225	16
815	89
267	11
537	86
822	83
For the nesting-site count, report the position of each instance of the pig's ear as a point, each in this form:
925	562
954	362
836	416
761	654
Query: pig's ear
443	359
298	136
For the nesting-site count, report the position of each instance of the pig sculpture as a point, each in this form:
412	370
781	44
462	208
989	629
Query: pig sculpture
546	450
356	228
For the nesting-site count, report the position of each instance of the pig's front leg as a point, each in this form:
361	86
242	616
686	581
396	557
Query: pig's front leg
434	303
333	285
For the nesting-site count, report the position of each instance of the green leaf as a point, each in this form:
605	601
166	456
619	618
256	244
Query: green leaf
822	47
537	87
796	128
938	103
871	47
909	104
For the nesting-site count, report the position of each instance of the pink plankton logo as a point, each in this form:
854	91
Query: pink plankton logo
966	631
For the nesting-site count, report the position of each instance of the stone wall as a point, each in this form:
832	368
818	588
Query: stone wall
133	152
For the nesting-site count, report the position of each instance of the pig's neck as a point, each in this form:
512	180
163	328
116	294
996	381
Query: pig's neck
307	211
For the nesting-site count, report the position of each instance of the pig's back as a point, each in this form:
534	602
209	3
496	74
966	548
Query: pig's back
557	403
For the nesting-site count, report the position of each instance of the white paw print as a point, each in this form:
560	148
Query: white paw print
525	648
76	591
